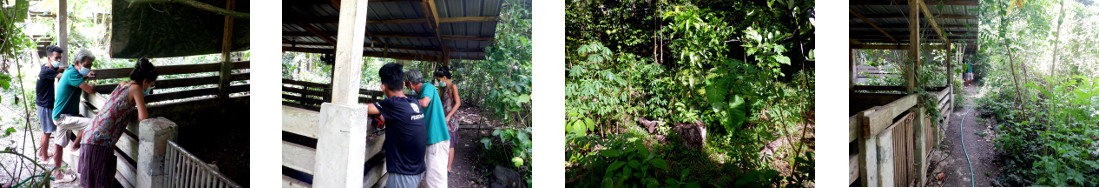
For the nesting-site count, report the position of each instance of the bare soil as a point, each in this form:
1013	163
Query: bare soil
949	159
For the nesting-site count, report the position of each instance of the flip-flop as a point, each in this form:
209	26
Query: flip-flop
65	178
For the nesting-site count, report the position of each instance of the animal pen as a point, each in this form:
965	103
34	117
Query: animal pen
891	134
189	100
326	138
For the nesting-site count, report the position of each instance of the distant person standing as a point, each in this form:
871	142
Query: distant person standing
44	93
451	102
969	72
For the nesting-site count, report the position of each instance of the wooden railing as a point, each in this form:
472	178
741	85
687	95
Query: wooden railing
885	139
299	150
186	170
310	96
179	104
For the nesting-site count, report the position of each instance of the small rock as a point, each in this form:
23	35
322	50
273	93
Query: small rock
506	178
692	135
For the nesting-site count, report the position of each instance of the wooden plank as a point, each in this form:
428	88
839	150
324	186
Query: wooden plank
127	171
288	182
868	160
878	118
853	129
853	168
128	145
298	157
300	121
226	71
303	99
879	88
304	83
932	2
180	95
374	175
886	164
900	154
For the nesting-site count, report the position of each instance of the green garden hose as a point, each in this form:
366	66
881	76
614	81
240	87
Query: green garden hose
971	179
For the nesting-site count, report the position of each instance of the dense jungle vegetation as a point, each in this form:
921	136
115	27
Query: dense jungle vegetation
689	94
1038	67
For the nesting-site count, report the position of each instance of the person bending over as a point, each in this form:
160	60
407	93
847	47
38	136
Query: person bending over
125	104
437	138
67	99
406	135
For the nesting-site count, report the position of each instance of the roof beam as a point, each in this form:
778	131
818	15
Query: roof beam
403	56
943	16
383	48
864	19
432	14
905	26
445	37
931	18
400	21
317	32
901	3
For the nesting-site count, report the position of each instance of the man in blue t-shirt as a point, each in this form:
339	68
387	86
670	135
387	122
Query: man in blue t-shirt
436	155
406	134
44	91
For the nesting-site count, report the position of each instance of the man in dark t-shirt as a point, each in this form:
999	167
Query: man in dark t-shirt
44	91
406	134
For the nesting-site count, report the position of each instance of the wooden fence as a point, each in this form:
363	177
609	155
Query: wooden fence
309	95
884	138
299	150
186	170
190	94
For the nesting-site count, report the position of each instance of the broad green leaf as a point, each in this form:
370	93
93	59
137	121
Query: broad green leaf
736	113
782	59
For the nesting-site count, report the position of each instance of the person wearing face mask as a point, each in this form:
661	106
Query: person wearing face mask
451	102
438	140
125	104
67	100
44	95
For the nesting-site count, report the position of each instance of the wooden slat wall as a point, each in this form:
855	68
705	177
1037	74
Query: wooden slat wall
310	96
198	81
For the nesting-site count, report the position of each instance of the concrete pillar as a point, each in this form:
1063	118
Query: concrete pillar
153	136
341	146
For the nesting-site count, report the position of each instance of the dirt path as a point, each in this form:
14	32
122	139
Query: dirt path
949	159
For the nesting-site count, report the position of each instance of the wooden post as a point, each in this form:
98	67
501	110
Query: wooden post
341	144
868	155
920	154
349	52
949	65
63	29
885	153
226	61
153	141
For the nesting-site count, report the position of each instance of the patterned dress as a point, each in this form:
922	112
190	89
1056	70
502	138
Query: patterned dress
452	124
97	160
112	119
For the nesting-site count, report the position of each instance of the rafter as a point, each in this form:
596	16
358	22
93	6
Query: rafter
864	19
432	15
931	18
317	32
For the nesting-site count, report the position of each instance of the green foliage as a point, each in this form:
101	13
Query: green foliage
741	68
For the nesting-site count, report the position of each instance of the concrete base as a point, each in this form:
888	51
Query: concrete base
153	141
341	143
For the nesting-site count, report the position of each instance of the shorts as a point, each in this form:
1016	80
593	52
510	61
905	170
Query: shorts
403	181
969	76
436	157
69	124
45	117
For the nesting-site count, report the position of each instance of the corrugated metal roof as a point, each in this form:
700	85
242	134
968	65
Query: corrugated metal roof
466	28
956	18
